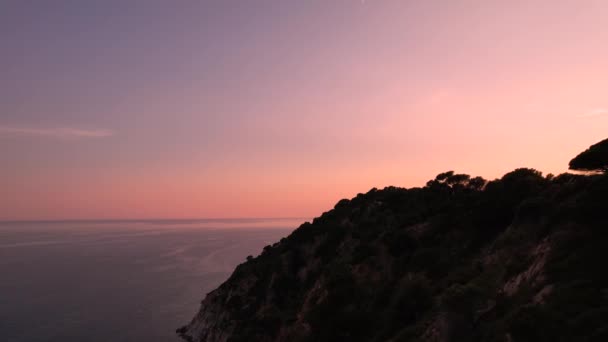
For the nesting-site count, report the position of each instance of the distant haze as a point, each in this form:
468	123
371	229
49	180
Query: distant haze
123	109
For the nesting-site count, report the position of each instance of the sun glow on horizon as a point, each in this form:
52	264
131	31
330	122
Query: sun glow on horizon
284	108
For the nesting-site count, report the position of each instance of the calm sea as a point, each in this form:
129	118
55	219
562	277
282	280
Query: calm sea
118	280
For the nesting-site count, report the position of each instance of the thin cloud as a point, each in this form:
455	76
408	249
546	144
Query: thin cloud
54	132
594	112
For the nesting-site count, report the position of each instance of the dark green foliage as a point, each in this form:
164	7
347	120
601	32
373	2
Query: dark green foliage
433	235
330	242
362	252
394	264
450	180
412	299
532	210
594	159
337	317
477	183
400	242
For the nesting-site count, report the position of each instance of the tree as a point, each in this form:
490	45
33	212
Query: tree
456	181
477	183
593	159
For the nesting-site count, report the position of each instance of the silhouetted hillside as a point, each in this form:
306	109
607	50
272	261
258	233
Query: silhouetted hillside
521	258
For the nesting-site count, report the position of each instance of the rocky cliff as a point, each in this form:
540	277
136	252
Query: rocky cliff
521	258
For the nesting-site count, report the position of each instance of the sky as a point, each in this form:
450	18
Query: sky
222	109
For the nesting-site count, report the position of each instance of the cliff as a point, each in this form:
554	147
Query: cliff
521	258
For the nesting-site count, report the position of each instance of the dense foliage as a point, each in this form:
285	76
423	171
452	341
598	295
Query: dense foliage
520	258
594	159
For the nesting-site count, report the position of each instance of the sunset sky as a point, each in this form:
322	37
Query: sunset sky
198	109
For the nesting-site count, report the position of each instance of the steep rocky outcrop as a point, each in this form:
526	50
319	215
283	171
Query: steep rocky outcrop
521	258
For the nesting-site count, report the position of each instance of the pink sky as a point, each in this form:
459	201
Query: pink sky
280	109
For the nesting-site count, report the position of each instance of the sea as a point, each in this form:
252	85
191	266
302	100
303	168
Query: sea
113	281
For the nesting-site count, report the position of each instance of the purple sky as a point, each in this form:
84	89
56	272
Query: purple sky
120	109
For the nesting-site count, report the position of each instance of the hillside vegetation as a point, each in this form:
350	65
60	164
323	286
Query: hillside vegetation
521	258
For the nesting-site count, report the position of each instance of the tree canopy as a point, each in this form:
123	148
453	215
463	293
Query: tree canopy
593	159
457	181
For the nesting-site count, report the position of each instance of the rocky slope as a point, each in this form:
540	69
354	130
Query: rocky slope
521	258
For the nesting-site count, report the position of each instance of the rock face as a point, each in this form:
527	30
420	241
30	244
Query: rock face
521	258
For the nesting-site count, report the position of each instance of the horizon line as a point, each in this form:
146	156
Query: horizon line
150	219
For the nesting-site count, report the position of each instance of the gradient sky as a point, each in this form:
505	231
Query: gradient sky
184	109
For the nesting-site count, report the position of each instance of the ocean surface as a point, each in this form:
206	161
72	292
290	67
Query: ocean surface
118	281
